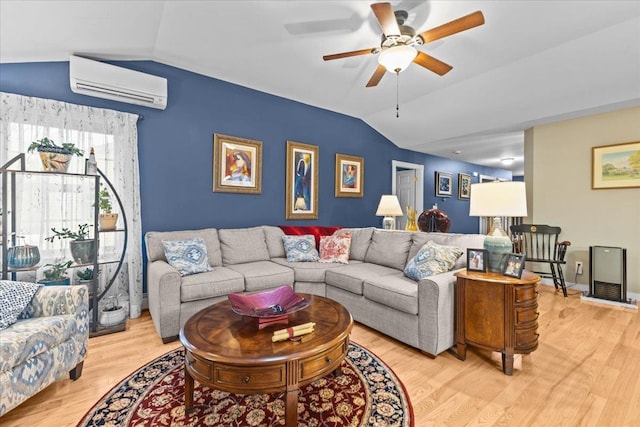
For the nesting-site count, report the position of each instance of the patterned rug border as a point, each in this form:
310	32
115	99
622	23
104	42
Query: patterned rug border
409	406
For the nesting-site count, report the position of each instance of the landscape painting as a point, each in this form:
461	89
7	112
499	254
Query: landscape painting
615	166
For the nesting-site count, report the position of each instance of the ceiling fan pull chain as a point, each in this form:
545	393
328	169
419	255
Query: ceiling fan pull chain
397	94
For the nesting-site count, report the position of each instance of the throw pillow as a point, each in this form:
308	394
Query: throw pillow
187	256
335	248
14	297
432	259
300	248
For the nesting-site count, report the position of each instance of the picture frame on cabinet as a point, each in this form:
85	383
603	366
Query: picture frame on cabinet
514	265
464	186
237	165
301	193
444	184
349	176
477	260
615	166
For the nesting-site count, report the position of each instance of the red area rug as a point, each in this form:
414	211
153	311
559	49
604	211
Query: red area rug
366	394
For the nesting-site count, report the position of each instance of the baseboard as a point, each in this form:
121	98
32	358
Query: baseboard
584	291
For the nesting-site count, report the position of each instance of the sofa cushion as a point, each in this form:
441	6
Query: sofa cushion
275	245
316	230
14	297
187	256
300	248
389	248
263	275
155	247
27	338
350	277
219	282
462	241
394	291
307	271
432	259
242	245
335	248
360	240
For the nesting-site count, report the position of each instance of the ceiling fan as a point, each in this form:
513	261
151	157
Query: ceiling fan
398	47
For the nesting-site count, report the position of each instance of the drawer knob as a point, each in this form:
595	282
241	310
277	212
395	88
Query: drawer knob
245	380
329	360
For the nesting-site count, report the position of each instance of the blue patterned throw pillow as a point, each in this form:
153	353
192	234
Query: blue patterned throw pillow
187	256
300	248
432	259
14	297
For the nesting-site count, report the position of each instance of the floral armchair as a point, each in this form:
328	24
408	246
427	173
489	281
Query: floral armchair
47	342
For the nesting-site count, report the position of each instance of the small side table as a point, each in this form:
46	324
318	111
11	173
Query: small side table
497	313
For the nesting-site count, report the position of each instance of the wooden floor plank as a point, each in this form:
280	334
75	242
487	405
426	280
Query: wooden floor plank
586	371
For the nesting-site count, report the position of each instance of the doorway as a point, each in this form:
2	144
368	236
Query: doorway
407	182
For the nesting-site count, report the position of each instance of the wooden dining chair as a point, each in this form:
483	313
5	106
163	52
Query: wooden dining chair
540	244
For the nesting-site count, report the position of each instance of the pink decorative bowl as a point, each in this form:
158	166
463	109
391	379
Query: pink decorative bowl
274	303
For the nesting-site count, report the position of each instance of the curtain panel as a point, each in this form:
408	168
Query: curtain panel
113	134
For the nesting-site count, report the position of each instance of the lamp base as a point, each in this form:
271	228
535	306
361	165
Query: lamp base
389	223
499	245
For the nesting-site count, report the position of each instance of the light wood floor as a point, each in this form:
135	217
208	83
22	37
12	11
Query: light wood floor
586	371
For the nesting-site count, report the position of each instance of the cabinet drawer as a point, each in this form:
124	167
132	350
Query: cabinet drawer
525	293
200	368
526	339
248	378
526	315
314	365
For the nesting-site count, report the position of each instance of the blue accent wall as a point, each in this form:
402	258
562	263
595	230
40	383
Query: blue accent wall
176	150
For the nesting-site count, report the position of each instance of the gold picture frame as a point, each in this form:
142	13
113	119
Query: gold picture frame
349	176
615	166
301	194
464	186
237	165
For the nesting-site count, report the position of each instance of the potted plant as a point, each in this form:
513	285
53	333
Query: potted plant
83	250
54	157
55	274
85	276
112	313
107	219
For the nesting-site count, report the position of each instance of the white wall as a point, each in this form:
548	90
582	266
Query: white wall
558	177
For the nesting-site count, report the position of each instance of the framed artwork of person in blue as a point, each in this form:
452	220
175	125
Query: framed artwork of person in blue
301	181
349	176
237	165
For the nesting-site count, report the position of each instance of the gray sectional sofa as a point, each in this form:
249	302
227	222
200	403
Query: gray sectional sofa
372	286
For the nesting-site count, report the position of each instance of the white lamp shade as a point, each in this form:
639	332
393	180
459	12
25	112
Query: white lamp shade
397	58
498	199
389	206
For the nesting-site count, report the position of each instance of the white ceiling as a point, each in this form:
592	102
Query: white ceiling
532	62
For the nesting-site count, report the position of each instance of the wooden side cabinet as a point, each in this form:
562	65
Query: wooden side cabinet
497	313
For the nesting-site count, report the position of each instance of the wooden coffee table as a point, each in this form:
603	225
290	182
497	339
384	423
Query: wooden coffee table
228	352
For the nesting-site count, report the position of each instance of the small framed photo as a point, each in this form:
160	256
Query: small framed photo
464	186
443	184
477	260
349	176
237	165
514	265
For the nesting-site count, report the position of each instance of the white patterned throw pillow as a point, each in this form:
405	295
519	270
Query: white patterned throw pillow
14	297
187	256
432	259
300	248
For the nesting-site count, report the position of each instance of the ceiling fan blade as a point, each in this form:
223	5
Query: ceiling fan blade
386	18
457	25
433	64
348	54
377	76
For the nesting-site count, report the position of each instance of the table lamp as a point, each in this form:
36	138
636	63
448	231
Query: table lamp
498	199
389	207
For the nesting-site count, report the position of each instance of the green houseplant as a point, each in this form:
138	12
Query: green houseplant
107	219
55	274
54	157
83	249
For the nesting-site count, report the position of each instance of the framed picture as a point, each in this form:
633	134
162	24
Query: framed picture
349	176
514	265
443	184
301	181
464	186
237	165
477	260
615	166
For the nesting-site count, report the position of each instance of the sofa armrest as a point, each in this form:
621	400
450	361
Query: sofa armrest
163	288
436	309
60	300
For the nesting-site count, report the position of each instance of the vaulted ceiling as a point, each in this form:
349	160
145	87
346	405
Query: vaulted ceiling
532	62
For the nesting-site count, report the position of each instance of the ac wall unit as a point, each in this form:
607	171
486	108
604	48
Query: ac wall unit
101	80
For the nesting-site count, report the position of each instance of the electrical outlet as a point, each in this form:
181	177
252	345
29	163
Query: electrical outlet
578	267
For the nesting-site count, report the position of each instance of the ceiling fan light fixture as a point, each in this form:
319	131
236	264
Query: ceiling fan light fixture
397	58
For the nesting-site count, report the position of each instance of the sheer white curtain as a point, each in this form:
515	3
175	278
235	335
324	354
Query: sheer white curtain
113	135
